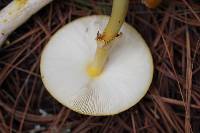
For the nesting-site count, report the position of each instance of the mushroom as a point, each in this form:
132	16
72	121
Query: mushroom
97	77
16	13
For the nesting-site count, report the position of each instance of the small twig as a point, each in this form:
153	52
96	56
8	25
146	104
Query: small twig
16	13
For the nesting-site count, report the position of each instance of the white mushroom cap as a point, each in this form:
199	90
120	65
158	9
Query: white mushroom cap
124	81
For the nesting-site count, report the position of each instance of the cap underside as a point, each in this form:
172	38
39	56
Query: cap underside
124	81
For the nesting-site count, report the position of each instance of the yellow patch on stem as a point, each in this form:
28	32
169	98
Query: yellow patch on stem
21	2
96	66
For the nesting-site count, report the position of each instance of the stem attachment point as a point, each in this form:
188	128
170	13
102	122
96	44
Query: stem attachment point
105	40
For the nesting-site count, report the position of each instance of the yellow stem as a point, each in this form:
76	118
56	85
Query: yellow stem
117	18
104	40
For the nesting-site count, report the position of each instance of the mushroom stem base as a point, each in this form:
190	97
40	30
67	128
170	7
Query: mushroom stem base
95	68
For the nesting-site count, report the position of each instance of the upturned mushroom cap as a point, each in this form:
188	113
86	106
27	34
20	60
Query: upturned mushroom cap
124	81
